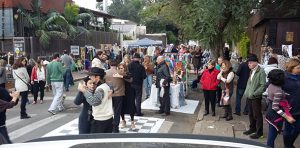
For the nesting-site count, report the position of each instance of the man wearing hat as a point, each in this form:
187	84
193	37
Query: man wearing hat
253	93
138	74
101	102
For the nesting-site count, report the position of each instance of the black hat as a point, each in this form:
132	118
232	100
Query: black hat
137	56
252	57
96	71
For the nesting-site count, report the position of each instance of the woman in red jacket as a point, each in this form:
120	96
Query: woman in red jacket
209	85
38	80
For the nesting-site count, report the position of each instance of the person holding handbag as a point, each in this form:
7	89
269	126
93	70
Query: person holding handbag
22	79
226	76
38	80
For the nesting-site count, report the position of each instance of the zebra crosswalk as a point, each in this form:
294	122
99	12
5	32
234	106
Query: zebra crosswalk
66	123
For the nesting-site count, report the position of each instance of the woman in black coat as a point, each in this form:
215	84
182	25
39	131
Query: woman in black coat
128	106
85	116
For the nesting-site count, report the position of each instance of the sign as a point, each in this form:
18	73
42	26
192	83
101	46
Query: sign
19	46
289	36
75	50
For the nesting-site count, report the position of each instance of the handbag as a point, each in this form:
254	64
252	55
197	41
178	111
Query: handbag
28	85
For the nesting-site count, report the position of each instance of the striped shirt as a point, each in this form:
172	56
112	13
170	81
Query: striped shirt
276	94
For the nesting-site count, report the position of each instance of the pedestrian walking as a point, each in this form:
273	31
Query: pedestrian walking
209	85
7	101
278	108
138	74
67	62
292	87
38	80
55	72
253	93
22	85
85	117
226	76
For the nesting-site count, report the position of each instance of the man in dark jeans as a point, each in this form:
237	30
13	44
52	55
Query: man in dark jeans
138	74
243	73
162	73
255	87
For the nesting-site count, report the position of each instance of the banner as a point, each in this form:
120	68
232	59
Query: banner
74	50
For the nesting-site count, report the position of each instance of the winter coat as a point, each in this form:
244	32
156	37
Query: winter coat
209	79
21	79
256	86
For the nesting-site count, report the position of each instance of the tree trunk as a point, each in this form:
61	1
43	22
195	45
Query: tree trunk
217	46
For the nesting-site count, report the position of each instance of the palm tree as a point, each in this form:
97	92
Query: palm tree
46	26
72	15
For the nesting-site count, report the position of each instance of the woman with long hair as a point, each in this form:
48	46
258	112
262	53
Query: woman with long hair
38	80
22	79
129	101
85	117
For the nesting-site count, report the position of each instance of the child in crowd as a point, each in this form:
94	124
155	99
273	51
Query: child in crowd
278	108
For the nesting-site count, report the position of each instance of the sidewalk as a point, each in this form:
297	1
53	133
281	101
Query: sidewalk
208	125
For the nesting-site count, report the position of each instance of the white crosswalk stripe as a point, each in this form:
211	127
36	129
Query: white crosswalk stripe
16	120
26	129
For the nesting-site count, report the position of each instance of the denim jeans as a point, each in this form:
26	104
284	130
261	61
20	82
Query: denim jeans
68	79
147	85
272	134
239	95
24	100
57	89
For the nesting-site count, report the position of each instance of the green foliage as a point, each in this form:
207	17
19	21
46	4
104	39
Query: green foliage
125	37
127	9
243	45
71	12
171	38
209	21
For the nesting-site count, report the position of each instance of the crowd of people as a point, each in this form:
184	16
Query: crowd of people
115	84
274	84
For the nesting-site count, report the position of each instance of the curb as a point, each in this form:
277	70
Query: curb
201	112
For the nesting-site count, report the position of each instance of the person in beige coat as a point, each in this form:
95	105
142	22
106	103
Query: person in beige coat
22	79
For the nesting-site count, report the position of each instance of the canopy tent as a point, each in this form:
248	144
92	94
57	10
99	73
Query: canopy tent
145	42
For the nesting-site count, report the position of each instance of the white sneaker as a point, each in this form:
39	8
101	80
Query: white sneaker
132	125
123	124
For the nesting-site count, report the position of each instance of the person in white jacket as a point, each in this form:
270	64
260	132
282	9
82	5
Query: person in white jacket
272	64
22	79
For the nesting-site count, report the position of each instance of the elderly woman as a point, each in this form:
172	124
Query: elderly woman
292	88
226	76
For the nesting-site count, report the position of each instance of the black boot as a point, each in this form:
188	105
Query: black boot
225	112
229	113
